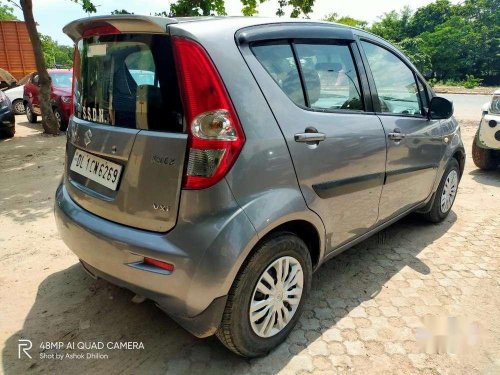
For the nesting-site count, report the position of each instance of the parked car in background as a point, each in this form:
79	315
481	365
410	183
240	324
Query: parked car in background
16	95
259	150
60	96
7	118
486	144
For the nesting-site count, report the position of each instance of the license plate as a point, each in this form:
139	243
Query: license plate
96	169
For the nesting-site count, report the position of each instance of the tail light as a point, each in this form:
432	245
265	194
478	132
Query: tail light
76	68
215	134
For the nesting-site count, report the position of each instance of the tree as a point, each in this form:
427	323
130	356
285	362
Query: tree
414	49
56	54
192	8
345	20
428	17
49	121
6	13
393	25
121	11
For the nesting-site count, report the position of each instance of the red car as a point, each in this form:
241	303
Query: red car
60	96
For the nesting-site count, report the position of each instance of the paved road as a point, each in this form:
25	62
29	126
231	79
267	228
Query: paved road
366	313
467	107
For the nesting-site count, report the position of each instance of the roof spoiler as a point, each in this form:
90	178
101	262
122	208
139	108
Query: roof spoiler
125	23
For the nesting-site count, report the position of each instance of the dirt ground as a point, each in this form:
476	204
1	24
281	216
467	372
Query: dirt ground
480	90
365	314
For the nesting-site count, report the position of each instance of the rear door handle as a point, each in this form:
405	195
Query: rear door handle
309	137
396	135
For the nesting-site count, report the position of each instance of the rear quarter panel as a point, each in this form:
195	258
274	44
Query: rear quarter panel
263	179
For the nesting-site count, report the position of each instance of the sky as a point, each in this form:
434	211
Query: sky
52	15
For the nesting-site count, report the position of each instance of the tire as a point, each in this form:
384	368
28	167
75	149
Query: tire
440	211
483	158
63	125
18	107
29	113
237	331
9	133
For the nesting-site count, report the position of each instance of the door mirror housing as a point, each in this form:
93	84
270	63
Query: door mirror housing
440	109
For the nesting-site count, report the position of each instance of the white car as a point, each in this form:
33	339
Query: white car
15	95
486	144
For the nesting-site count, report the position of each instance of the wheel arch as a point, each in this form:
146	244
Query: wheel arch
459	156
303	229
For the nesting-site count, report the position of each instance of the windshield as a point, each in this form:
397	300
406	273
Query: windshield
62	80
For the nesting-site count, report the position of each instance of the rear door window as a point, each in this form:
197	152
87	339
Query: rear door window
279	61
326	78
330	76
127	81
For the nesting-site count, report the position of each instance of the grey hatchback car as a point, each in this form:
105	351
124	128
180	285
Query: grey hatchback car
244	154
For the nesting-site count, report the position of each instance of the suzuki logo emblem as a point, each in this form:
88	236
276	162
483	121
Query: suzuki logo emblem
87	138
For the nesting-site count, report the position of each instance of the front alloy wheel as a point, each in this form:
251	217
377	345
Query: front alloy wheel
449	191
276	296
445	194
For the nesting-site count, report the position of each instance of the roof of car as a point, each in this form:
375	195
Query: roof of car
154	24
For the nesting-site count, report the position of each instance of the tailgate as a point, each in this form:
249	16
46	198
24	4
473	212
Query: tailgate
126	143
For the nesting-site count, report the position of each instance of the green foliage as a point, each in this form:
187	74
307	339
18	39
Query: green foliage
6	12
471	82
345	20
56	54
428	17
193	8
413	49
121	11
451	41
87	5
250	7
393	26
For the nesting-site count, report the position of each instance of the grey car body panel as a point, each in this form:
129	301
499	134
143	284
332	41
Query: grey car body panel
210	233
150	179
274	197
203	247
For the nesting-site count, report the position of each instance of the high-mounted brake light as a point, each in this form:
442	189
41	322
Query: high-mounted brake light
100	30
215	134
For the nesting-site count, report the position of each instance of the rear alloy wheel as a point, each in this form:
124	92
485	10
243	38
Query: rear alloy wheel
445	193
18	107
29	114
267	296
276	296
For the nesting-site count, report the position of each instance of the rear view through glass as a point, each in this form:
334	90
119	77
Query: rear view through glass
127	81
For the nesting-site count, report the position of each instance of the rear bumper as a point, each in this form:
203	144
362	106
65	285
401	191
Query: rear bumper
194	294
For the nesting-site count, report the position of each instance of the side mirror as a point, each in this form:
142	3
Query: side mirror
440	108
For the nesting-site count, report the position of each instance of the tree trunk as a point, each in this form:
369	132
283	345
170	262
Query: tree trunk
49	121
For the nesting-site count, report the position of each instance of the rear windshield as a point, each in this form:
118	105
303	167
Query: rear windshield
127	81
